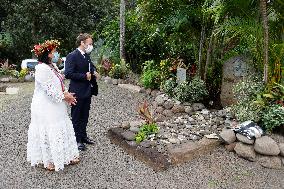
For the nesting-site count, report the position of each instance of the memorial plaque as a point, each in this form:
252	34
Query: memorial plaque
181	75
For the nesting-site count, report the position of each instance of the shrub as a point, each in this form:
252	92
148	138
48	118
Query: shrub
119	70
151	79
197	90
181	92
23	73
193	91
169	86
246	92
145	131
272	117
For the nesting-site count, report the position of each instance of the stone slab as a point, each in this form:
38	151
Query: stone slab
130	87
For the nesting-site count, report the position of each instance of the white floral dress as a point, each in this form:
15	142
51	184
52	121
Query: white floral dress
51	137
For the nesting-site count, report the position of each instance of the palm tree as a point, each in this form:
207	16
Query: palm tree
122	30
263	10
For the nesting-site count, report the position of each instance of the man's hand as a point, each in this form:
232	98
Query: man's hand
98	76
70	98
89	76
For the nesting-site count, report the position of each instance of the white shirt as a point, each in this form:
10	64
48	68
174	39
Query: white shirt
82	52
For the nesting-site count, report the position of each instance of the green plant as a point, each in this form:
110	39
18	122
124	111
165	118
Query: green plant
145	131
246	92
119	71
23	73
196	90
151	79
272	117
169	86
180	92
8	70
193	91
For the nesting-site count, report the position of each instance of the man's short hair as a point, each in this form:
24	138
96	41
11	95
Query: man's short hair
82	37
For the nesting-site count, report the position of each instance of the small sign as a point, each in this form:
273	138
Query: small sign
181	75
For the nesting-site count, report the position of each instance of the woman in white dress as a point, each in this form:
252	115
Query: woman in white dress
51	137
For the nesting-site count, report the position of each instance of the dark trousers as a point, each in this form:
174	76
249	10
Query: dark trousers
80	116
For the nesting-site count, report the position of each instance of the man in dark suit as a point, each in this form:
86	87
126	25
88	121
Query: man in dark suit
81	72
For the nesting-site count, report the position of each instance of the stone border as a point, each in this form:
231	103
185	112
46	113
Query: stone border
158	161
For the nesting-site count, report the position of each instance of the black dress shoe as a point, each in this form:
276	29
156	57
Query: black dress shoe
81	146
87	141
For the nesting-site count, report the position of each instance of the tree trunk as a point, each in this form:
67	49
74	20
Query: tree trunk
122	30
202	37
263	10
208	56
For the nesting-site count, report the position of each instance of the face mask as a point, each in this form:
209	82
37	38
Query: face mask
55	57
89	49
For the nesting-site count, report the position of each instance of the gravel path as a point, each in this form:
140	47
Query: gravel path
108	166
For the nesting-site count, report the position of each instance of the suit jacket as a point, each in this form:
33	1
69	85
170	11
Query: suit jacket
76	67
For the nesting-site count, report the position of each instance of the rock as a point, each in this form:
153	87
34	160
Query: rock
160	109
121	81
190	119
188	109
134	129
160	99
205	112
128	135
174	140
4	80
108	80
132	143
154	92
142	90
115	81
281	147
160	118
177	108
125	125
145	144
270	162
12	90
245	151
231	147
14	80
228	136
148	91
137	123
197	106
3	88
244	139
168	104
266	146
168	113
234	70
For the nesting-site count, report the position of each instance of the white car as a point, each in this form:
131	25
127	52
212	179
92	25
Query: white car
29	64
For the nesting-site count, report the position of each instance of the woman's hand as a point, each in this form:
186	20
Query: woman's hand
70	98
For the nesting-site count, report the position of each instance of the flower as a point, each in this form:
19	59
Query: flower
48	45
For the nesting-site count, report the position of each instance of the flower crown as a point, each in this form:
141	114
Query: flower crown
48	45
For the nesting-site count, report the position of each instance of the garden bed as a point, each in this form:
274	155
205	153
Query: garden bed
157	160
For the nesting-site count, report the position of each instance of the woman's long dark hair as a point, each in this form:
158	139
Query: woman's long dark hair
44	58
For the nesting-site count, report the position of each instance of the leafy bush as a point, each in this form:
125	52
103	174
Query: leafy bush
169	86
272	117
151	79
145	131
246	92
23	73
197	90
119	70
181	92
8	70
193	91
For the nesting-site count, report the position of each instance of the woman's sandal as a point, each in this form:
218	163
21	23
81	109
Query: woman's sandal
74	161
